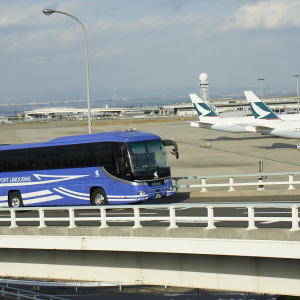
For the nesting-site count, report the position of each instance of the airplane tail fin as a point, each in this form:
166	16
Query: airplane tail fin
202	109
260	110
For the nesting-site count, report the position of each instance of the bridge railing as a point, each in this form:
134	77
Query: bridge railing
257	179
174	214
16	293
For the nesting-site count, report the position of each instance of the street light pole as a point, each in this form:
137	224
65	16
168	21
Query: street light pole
261	90
48	12
297	75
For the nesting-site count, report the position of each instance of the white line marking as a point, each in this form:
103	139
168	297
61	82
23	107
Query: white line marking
121	200
200	221
42	199
70	195
119	221
131	214
29	183
174	295
269	212
34	194
128	196
182	208
76	193
270	222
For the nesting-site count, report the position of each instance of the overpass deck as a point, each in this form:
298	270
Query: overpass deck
175	250
276	243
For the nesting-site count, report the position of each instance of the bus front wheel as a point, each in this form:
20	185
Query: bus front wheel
99	197
15	200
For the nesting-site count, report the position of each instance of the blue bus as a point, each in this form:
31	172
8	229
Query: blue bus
93	169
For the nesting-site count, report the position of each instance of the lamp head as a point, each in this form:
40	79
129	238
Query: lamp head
48	12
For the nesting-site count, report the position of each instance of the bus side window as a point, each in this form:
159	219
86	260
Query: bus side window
49	163
98	154
15	160
121	162
70	156
41	158
62	157
89	160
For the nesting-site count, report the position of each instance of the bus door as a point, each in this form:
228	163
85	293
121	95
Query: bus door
113	192
122	171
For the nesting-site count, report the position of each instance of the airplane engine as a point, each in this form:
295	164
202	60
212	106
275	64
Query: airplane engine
229	128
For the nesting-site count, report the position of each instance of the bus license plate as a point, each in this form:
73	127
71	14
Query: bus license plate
157	196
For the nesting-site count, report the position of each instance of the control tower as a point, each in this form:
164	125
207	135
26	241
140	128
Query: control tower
204	87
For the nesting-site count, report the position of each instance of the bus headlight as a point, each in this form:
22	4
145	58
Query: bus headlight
141	193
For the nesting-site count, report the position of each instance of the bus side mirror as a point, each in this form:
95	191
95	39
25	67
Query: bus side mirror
172	143
175	152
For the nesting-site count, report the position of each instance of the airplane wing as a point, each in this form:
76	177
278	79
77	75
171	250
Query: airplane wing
199	123
263	127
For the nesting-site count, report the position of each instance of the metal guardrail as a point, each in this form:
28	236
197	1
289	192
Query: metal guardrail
206	216
260	183
64	284
25	294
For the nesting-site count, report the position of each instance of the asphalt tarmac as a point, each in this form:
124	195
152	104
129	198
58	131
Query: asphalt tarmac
228	153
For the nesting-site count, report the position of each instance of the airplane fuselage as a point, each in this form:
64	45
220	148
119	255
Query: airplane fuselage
235	124
289	127
285	129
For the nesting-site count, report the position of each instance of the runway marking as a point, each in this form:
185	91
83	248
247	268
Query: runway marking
290	201
119	221
174	295
227	294
269	212
268	222
132	214
181	208
245	208
200	221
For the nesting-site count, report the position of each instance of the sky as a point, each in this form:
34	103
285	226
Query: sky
146	44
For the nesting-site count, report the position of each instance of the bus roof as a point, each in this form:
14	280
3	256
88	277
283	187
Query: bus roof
113	136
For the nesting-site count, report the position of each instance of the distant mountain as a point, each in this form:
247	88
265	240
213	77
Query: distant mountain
214	92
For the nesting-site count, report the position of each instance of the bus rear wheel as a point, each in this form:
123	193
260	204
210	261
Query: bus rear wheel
15	200
99	197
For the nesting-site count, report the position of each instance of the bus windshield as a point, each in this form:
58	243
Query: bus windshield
147	155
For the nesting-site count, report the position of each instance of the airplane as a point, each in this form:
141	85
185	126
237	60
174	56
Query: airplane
268	123
251	124
210	120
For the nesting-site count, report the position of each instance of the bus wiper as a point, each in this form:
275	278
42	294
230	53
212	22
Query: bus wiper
165	169
153	168
147	170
